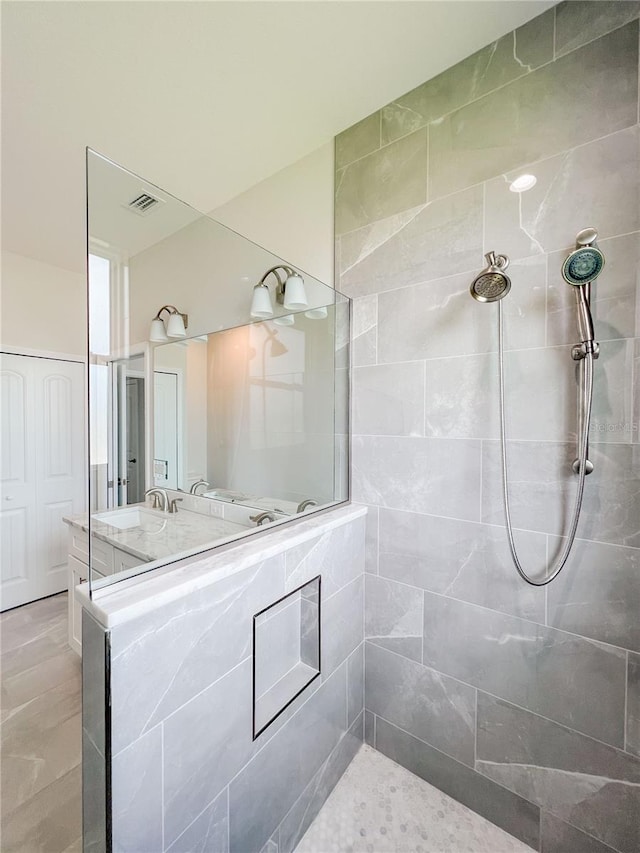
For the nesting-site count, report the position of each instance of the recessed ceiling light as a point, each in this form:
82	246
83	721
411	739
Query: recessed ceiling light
523	183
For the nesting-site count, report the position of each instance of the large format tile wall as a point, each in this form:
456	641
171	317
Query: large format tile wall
184	771
523	703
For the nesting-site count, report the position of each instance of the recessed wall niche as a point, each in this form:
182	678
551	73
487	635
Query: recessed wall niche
286	652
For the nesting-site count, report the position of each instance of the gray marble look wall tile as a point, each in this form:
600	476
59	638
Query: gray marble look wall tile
581	21
419	244
342	625
541	391
428	705
595	183
635	424
419	474
633	704
209	831
393	616
388	399
369	728
206	743
463	560
593	786
614	297
269	784
437	319
542	669
371	541
597	594
357	141
462	396
511	56
136	796
365	331
508	811
365	193
565	95
307	806
193	656
337	555
542	489
556	836
355	685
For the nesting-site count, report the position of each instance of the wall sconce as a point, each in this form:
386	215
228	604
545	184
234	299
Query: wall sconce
176	327
290	293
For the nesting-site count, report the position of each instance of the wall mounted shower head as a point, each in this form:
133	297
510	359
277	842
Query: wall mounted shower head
492	284
586	261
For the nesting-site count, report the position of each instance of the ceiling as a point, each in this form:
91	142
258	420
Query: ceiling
204	99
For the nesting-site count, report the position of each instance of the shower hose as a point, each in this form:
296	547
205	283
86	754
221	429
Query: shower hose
586	389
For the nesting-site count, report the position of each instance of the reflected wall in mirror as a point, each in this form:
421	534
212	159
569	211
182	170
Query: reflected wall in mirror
206	421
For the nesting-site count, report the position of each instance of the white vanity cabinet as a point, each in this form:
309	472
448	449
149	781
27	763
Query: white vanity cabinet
107	559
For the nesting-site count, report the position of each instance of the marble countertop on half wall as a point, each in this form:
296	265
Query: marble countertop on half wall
120	602
174	534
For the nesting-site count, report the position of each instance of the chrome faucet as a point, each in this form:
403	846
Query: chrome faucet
304	504
262	517
173	505
195	486
157	494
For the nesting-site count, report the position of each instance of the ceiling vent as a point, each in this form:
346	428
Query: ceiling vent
143	204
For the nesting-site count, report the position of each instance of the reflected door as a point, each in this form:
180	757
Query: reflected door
42	474
165	430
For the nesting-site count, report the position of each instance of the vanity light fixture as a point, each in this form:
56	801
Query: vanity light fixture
176	325
285	320
317	313
290	292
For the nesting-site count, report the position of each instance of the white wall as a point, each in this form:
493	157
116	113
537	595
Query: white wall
43	307
291	214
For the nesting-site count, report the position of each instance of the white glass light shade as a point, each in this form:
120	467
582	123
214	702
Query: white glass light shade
158	334
261	303
317	313
175	326
285	320
523	183
294	293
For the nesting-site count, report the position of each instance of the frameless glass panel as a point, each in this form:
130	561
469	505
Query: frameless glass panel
218	381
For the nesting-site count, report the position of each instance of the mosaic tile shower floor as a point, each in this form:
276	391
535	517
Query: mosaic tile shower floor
379	807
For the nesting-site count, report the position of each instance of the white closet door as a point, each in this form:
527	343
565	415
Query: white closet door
42	473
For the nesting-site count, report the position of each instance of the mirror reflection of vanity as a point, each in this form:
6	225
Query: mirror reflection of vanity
218	384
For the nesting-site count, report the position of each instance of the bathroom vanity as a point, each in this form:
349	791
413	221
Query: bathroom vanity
126	538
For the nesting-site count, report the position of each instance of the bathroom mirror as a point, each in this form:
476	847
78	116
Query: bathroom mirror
218	379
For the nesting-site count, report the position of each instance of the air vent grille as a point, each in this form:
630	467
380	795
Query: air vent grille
143	204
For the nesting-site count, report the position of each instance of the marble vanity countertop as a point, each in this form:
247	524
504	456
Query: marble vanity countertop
130	598
173	534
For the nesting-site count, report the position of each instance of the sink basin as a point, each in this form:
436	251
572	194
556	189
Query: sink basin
125	518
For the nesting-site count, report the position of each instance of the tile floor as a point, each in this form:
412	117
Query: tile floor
379	807
40	731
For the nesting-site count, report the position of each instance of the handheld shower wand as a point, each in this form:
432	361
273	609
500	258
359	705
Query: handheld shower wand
580	269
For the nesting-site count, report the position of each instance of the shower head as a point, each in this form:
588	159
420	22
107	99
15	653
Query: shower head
492	284
586	261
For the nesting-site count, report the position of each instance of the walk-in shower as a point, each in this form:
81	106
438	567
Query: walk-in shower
579	269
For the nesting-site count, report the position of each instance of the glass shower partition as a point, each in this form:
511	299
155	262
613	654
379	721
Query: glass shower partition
218	382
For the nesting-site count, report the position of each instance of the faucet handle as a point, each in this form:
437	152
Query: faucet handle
173	505
156	500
